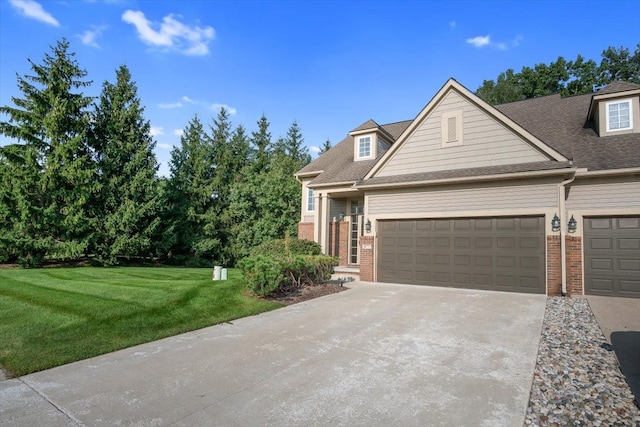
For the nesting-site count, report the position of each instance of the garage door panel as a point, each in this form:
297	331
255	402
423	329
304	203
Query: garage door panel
482	253
612	256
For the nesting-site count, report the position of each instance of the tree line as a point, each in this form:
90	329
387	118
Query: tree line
81	182
574	77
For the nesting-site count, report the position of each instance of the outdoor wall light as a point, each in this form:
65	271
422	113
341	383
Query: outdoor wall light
573	225
341	217
555	223
367	226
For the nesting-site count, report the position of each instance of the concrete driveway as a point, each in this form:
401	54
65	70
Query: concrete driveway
376	355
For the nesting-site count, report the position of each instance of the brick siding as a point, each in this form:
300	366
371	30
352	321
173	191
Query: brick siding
574	265
554	268
366	258
305	231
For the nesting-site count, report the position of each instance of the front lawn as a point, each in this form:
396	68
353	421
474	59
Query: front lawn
53	316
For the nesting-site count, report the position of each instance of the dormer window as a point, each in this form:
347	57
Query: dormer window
619	115
364	147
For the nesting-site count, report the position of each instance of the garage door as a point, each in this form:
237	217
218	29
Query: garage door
612	256
505	253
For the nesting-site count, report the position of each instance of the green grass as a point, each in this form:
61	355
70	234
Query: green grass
49	317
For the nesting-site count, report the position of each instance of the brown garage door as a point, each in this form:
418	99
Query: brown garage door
505	253
612	256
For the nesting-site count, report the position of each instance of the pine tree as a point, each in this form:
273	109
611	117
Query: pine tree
51	120
262	146
128	199
325	147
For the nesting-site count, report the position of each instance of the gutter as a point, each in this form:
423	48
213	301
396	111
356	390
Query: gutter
563	225
607	172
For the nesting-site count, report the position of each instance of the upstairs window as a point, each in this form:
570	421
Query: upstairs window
364	147
311	201
619	115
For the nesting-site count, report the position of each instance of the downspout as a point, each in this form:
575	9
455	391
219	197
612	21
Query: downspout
563	226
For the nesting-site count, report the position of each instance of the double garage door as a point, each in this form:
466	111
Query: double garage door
612	256
502	253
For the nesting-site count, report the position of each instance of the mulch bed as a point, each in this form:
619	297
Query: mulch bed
306	293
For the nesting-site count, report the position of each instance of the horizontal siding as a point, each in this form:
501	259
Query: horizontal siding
337	207
464	199
604	195
486	143
308	218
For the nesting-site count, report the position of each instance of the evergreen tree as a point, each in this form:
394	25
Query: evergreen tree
128	199
262	146
325	147
51	120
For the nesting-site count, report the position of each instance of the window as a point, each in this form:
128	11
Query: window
364	147
451	128
311	201
619	115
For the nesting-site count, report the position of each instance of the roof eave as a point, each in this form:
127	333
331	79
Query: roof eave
331	184
482	178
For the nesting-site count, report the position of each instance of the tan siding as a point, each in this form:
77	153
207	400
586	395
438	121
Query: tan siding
445	199
602	194
486	143
308	218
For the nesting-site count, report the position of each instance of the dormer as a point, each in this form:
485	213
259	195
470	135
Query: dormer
615	109
369	141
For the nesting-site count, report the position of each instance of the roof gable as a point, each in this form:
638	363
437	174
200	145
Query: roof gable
490	138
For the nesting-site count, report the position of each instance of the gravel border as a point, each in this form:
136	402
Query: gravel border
576	381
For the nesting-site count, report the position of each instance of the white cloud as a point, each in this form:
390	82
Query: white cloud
89	36
452	25
156	131
189	100
33	9
165	145
171	33
232	111
315	149
480	41
174	105
178	132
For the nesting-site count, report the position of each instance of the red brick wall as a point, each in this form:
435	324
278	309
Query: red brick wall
343	243
305	231
574	265
366	258
554	268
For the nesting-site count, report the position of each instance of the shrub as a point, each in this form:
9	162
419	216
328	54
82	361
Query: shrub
262	274
267	274
287	247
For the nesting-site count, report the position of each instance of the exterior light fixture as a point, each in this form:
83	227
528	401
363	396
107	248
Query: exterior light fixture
573	225
367	226
341	217
555	223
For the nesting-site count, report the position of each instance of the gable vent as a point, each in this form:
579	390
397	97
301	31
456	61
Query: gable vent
452	129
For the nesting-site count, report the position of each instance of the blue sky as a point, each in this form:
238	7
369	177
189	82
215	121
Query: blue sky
329	65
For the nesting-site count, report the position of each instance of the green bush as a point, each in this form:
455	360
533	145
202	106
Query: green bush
286	247
262	274
268	274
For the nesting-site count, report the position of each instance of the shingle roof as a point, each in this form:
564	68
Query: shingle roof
467	173
617	86
560	123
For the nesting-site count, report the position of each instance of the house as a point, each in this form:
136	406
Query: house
538	196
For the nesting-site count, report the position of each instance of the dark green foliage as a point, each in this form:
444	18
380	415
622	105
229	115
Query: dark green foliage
564	77
127	204
287	247
325	147
266	274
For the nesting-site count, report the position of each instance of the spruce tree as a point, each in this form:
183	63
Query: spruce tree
128	199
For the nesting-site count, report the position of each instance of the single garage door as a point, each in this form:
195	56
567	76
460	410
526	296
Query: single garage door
612	256
503	253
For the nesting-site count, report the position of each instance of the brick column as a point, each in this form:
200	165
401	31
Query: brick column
366	258
554	268
305	231
574	265
343	243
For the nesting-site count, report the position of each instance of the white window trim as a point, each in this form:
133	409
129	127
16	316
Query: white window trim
371	147
444	126
619	101
310	198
